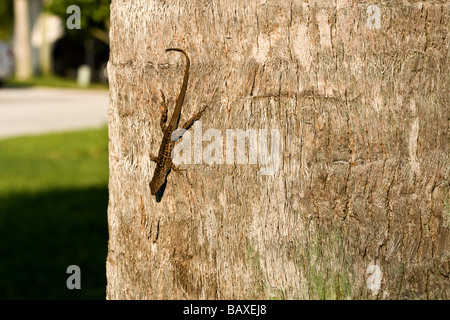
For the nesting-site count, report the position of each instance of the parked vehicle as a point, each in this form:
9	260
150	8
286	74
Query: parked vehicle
6	62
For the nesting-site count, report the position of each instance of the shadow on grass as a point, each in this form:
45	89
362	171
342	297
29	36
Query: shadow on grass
44	233
15	85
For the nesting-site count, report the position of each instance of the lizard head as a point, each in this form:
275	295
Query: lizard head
157	183
154	187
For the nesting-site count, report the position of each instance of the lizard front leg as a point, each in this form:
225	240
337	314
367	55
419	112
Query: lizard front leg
176	169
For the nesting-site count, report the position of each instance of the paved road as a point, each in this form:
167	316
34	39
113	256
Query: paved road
38	110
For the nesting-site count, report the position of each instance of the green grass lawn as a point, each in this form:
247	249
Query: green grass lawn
52	81
53	213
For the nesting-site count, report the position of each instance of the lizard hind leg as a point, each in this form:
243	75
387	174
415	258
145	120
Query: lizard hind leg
154	158
194	118
164	108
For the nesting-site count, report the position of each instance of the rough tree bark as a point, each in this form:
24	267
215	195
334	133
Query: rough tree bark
362	191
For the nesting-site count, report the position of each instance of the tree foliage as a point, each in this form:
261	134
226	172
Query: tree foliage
94	15
6	19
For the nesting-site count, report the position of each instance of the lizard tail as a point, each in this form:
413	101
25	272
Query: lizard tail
180	98
186	69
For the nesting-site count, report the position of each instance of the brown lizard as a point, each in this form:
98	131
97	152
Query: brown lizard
164	159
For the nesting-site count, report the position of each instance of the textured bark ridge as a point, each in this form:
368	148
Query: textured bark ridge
360	205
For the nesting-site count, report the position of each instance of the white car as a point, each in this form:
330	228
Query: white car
6	61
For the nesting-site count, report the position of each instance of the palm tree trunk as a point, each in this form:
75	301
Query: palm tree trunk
355	108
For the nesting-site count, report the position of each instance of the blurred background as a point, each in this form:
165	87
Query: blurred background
53	147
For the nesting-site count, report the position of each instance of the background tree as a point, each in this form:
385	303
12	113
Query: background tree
22	45
360	205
